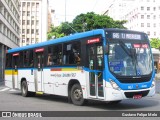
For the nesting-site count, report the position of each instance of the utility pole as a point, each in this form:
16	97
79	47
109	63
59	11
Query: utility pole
65	9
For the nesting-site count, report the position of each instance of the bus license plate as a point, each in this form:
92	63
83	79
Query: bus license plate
137	96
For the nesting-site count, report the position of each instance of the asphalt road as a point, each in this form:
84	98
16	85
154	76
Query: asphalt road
58	103
11	100
158	86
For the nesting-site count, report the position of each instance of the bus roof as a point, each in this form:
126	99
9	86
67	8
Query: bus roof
59	40
70	38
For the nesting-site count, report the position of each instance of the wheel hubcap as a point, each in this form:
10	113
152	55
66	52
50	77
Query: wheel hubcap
77	94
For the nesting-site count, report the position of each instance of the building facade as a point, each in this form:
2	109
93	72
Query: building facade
142	15
50	18
34	21
9	29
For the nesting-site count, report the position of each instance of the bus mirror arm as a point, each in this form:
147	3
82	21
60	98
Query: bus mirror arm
106	49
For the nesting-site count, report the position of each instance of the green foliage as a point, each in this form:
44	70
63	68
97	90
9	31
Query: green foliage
85	22
55	33
155	43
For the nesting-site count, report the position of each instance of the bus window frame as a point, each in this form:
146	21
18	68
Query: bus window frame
13	60
84	44
80	51
8	60
30	51
52	50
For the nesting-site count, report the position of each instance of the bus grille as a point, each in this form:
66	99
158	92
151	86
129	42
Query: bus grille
134	80
131	94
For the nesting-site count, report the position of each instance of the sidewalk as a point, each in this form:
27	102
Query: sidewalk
157	76
1	83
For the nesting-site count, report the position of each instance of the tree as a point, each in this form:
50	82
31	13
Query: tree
90	21
85	22
55	33
155	43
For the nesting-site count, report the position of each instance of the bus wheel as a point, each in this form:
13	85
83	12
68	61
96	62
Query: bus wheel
77	95
24	89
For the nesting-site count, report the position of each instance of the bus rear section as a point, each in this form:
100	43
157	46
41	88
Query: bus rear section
11	71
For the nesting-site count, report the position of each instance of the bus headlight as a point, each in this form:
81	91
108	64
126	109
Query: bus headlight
153	83
114	85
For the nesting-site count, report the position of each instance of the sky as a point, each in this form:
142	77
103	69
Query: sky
76	7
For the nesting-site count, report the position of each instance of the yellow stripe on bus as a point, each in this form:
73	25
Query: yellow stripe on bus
65	69
11	72
70	69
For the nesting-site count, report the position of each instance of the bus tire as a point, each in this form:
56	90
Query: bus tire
77	95
24	89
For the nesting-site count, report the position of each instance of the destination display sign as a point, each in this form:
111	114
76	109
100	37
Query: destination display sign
127	36
93	40
16	54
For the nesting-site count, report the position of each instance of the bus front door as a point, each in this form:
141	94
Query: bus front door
15	65
39	72
95	59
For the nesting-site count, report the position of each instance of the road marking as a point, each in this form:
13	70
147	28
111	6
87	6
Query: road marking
5	89
12	90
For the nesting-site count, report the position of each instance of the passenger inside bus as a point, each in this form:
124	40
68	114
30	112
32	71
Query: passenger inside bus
31	63
50	60
77	58
71	54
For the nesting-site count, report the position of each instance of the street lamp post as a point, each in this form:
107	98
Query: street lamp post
65	10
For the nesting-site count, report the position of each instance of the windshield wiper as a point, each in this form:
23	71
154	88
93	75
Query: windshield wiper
130	51
125	48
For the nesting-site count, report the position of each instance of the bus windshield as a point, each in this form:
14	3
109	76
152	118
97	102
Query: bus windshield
130	58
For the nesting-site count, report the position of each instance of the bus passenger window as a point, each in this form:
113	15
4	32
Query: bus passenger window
21	59
100	57
26	59
50	60
57	54
31	63
54	55
8	61
71	53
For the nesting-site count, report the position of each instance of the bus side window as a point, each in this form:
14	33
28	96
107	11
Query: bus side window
50	60
31	63
26	59
71	53
100	57
49	57
54	55
8	61
21	59
58	57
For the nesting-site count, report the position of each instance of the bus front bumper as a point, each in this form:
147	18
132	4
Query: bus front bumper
114	95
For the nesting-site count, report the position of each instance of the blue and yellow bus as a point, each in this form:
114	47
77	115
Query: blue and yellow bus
104	64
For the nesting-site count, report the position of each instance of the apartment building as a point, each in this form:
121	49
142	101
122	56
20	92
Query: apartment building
50	18
142	15
9	29
34	21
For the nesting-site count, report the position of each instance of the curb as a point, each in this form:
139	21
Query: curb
157	77
2	83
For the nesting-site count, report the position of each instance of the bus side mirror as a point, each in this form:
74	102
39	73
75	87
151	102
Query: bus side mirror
106	49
